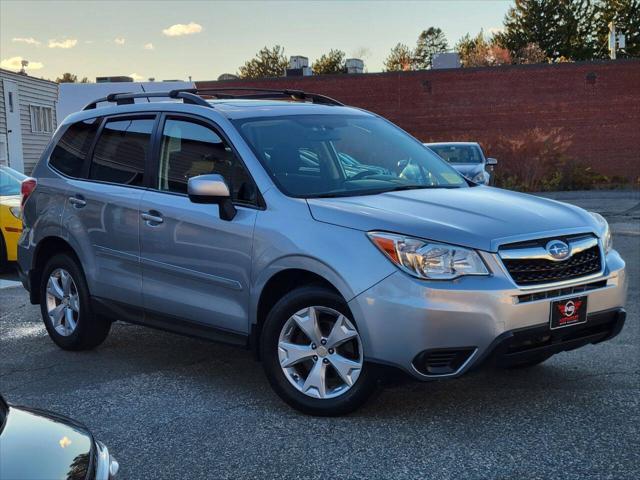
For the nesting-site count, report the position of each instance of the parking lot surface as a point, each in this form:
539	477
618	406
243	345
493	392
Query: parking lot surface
175	407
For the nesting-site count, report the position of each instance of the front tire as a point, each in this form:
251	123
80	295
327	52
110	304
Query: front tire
312	353
66	308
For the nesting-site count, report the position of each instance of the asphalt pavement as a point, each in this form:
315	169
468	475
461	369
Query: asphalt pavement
175	407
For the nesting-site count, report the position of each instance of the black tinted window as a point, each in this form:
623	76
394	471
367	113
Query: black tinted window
120	153
70	152
190	149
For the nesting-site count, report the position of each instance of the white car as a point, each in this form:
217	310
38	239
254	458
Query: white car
466	157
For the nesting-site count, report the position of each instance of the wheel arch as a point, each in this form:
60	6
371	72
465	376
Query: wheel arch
46	248
278	281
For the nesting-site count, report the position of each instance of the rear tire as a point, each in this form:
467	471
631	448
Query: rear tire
66	308
332	360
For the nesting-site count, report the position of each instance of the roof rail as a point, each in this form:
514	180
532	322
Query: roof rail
194	96
265	93
127	98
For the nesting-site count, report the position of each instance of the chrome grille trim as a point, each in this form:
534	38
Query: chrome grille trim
576	245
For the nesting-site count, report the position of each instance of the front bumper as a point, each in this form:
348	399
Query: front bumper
465	320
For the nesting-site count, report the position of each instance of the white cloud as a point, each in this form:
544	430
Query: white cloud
27	40
67	43
180	29
119	40
15	64
136	77
148	46
496	30
88	42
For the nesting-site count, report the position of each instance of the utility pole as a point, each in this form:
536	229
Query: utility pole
612	40
616	41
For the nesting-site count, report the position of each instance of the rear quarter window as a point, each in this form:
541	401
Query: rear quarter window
70	152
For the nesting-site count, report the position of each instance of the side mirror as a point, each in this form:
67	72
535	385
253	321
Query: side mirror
212	188
492	162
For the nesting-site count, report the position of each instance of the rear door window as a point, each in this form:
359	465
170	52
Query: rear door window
70	152
121	151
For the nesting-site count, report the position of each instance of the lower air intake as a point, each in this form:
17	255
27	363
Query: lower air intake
444	361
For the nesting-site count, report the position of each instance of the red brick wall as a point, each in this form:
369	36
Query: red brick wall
585	112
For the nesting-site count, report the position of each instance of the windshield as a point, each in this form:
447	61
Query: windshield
342	155
10	181
458	153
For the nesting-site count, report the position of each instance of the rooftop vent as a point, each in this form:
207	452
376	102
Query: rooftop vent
298	67
354	65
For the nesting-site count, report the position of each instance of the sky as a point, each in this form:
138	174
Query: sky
203	39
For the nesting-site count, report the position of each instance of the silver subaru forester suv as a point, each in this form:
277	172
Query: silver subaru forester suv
324	238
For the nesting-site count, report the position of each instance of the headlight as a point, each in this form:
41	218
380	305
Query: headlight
428	260
16	212
607	240
481	177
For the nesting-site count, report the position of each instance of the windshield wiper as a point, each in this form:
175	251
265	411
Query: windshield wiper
397	188
416	187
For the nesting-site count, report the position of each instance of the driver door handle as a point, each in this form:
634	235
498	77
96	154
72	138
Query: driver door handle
77	201
151	219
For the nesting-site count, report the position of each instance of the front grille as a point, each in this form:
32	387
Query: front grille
561	292
442	361
535	271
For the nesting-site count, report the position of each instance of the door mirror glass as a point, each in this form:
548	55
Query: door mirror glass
211	188
492	161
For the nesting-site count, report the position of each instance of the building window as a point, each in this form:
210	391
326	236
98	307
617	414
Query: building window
41	119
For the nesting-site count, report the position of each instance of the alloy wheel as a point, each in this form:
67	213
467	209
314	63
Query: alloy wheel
63	302
320	352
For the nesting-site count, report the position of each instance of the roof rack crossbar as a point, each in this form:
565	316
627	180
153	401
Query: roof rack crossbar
127	98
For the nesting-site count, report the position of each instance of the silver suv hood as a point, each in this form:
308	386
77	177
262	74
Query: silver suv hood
477	217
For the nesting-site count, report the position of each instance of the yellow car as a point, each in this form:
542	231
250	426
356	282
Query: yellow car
10	220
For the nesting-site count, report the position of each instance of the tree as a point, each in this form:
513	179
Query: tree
482	52
330	63
531	53
626	16
68	77
400	59
268	62
559	27
466	47
430	42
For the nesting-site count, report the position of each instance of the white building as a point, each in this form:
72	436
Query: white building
27	118
74	96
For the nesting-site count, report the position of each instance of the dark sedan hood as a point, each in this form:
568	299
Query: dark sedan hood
478	217
39	445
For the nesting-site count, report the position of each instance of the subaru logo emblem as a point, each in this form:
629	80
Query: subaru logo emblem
558	249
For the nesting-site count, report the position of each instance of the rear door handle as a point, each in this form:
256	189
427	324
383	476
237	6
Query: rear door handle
152	218
77	201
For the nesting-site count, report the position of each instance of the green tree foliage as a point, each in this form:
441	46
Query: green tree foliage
430	42
330	63
626	16
400	59
268	62
68	77
561	28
